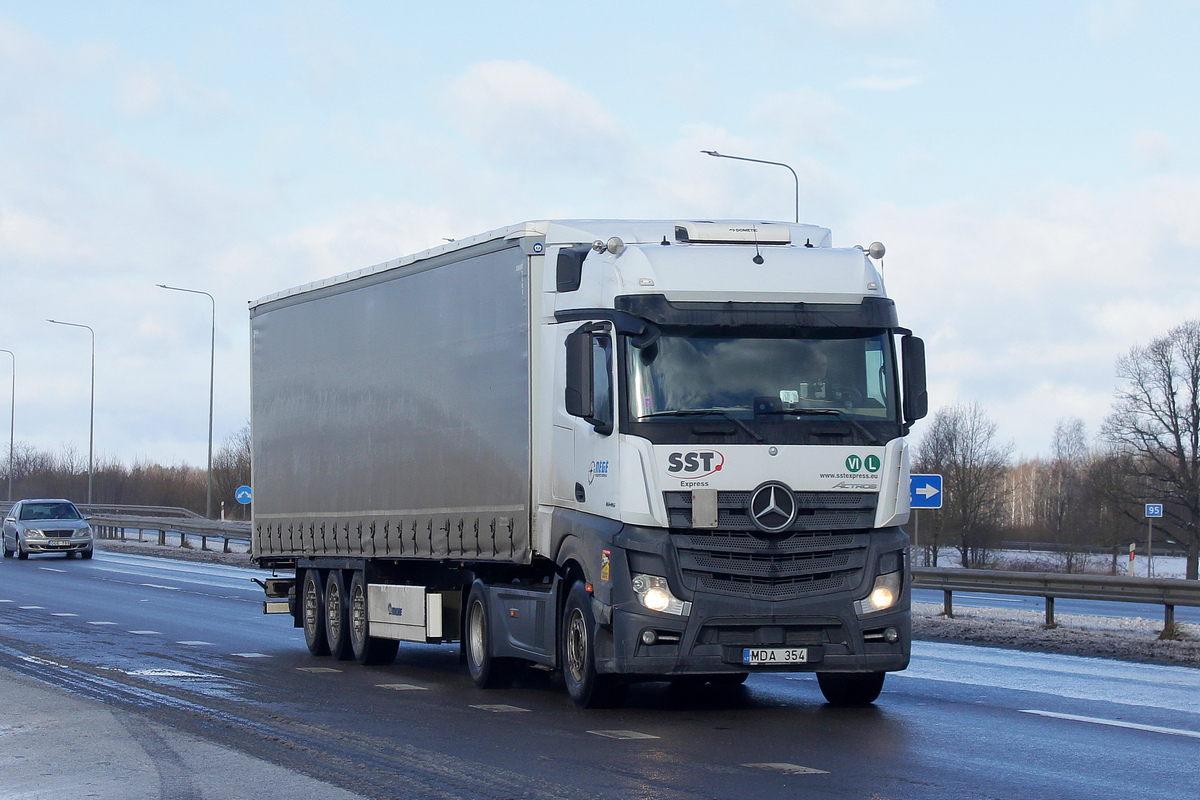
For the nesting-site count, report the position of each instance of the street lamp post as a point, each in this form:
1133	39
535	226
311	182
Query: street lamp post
795	177
12	421
92	408
212	362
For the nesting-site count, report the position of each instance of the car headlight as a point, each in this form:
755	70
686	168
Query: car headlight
884	594
34	533
654	593
83	532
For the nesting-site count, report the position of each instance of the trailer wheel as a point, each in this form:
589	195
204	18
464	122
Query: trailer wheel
367	649
578	641
851	689
487	671
337	617
312	613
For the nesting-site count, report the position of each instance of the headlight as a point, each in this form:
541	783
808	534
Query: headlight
653	593
82	532
884	594
34	533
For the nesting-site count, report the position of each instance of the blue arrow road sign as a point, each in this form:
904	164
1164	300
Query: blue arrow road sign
1153	509
925	491
243	495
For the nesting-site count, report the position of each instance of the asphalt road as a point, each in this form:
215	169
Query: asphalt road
182	651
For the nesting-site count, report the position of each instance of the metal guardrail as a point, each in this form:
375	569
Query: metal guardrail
118	526
1167	592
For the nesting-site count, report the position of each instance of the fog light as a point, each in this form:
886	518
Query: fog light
891	635
649	636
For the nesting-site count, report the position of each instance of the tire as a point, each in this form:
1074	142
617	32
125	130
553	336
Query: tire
8	553
851	689
312	614
577	643
337	617
487	671
368	649
21	554
85	554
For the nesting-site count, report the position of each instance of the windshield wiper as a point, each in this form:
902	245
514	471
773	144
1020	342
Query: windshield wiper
705	412
837	412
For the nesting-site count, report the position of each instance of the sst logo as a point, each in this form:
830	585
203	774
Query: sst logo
697	464
856	463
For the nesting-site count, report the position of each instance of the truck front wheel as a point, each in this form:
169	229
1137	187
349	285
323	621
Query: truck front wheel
487	671
850	688
367	649
578	645
312	614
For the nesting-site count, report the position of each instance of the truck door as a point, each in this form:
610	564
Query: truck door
591	398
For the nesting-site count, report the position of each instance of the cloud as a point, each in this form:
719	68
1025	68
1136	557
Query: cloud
1151	150
880	83
514	111
802	116
1111	19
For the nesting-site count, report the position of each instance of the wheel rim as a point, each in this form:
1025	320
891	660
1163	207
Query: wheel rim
576	645
333	605
310	606
358	614
475	642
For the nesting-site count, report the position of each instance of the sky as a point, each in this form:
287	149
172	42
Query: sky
1031	167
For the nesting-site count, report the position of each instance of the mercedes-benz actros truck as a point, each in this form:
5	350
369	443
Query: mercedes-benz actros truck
621	450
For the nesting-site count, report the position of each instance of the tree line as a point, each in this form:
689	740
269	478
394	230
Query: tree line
38	473
1087	492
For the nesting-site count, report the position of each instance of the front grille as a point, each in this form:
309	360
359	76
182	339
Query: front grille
815	511
823	552
58	534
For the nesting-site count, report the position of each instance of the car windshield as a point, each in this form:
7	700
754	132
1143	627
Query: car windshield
826	371
35	511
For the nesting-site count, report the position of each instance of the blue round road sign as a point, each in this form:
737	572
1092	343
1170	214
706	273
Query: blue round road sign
243	495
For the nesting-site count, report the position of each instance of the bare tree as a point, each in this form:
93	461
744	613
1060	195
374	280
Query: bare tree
961	445
1156	420
1065	486
231	469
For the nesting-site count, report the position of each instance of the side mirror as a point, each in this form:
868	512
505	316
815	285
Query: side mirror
579	393
916	398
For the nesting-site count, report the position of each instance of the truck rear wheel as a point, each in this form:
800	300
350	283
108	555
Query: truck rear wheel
487	671
337	617
587	688
312	614
851	688
367	649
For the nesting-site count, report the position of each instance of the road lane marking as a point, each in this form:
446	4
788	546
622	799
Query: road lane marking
5	601
624	734
194	642
788	769
251	655
1114	723
402	687
160	586
318	669
102	623
498	708
52	569
29	608
64	614
168	673
147	633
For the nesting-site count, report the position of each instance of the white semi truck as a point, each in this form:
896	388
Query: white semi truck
623	450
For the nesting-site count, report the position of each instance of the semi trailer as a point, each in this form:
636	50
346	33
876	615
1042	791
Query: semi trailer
620	450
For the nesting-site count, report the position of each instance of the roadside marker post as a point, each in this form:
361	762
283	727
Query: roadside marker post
1152	510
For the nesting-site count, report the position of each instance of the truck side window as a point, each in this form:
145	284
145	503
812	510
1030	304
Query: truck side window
602	389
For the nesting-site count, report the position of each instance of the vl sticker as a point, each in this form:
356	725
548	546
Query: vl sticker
857	463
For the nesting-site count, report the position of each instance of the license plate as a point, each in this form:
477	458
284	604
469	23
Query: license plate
775	655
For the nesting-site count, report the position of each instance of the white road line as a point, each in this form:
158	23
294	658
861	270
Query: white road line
147	633
251	655
64	614
498	708
402	687
623	734
1114	723
29	608
318	669
52	569
5	601
194	642
102	623
160	586
788	769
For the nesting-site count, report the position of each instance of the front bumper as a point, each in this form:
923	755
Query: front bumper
56	545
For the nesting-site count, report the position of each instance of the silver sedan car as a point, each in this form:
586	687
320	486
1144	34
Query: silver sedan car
46	526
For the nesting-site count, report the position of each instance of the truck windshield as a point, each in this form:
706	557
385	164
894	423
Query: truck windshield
825	372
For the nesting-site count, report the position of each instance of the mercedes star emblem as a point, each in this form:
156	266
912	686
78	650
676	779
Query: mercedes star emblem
772	507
